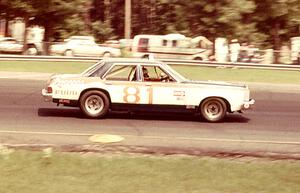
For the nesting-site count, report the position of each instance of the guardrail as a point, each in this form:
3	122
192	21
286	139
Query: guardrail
291	67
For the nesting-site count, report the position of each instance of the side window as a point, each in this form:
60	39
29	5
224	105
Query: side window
155	74
174	43
143	45
164	42
122	73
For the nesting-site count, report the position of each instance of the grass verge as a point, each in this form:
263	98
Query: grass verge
47	67
31	172
192	72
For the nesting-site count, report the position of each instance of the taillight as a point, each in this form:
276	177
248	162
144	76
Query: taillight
49	89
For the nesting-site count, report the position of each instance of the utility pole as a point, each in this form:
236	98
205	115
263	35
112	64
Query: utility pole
127	19
107	9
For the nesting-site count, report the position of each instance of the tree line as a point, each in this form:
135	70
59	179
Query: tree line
267	24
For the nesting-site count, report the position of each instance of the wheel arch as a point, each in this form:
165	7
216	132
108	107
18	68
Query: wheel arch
68	49
200	58
96	89
32	45
107	52
145	56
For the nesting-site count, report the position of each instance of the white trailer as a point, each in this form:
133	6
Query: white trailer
171	46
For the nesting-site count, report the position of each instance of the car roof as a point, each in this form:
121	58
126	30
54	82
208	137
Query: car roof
7	38
133	60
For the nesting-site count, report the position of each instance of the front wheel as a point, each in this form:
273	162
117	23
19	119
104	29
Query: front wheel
94	104
32	50
213	109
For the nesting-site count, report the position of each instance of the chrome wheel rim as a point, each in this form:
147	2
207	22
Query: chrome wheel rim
213	109
94	104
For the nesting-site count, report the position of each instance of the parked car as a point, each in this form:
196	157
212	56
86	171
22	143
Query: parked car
111	43
144	85
83	46
10	45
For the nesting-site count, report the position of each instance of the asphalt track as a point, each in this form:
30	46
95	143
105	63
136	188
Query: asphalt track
272	127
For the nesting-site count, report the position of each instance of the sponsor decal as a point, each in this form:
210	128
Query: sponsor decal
179	93
65	92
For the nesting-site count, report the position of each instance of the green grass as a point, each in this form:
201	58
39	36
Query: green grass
240	75
30	172
48	67
191	72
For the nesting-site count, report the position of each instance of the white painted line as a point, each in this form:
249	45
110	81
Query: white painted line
159	137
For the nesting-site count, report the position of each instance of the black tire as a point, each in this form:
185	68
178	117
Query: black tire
32	50
198	58
69	53
94	104
213	109
107	54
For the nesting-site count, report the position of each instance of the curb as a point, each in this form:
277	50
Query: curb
155	151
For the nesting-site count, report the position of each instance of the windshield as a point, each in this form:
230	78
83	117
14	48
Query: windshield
175	74
93	68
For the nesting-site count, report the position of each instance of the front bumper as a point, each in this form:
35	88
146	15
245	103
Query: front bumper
47	96
248	104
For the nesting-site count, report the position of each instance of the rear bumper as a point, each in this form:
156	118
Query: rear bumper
47	96
248	104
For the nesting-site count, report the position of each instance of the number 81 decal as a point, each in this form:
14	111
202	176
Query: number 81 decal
132	95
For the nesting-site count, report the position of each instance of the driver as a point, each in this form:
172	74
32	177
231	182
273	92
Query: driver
145	74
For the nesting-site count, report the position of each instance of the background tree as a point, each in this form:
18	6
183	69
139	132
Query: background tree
12	9
269	23
52	14
277	19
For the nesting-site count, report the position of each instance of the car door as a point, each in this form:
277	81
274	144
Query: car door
87	48
162	87
123	82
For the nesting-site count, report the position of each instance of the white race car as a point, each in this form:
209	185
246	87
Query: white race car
144	85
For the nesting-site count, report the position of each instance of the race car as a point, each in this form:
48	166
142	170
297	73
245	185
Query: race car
144	85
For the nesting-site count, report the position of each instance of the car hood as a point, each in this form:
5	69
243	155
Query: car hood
63	76
215	83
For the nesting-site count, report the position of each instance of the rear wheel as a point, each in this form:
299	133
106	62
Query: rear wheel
213	109
198	58
94	104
